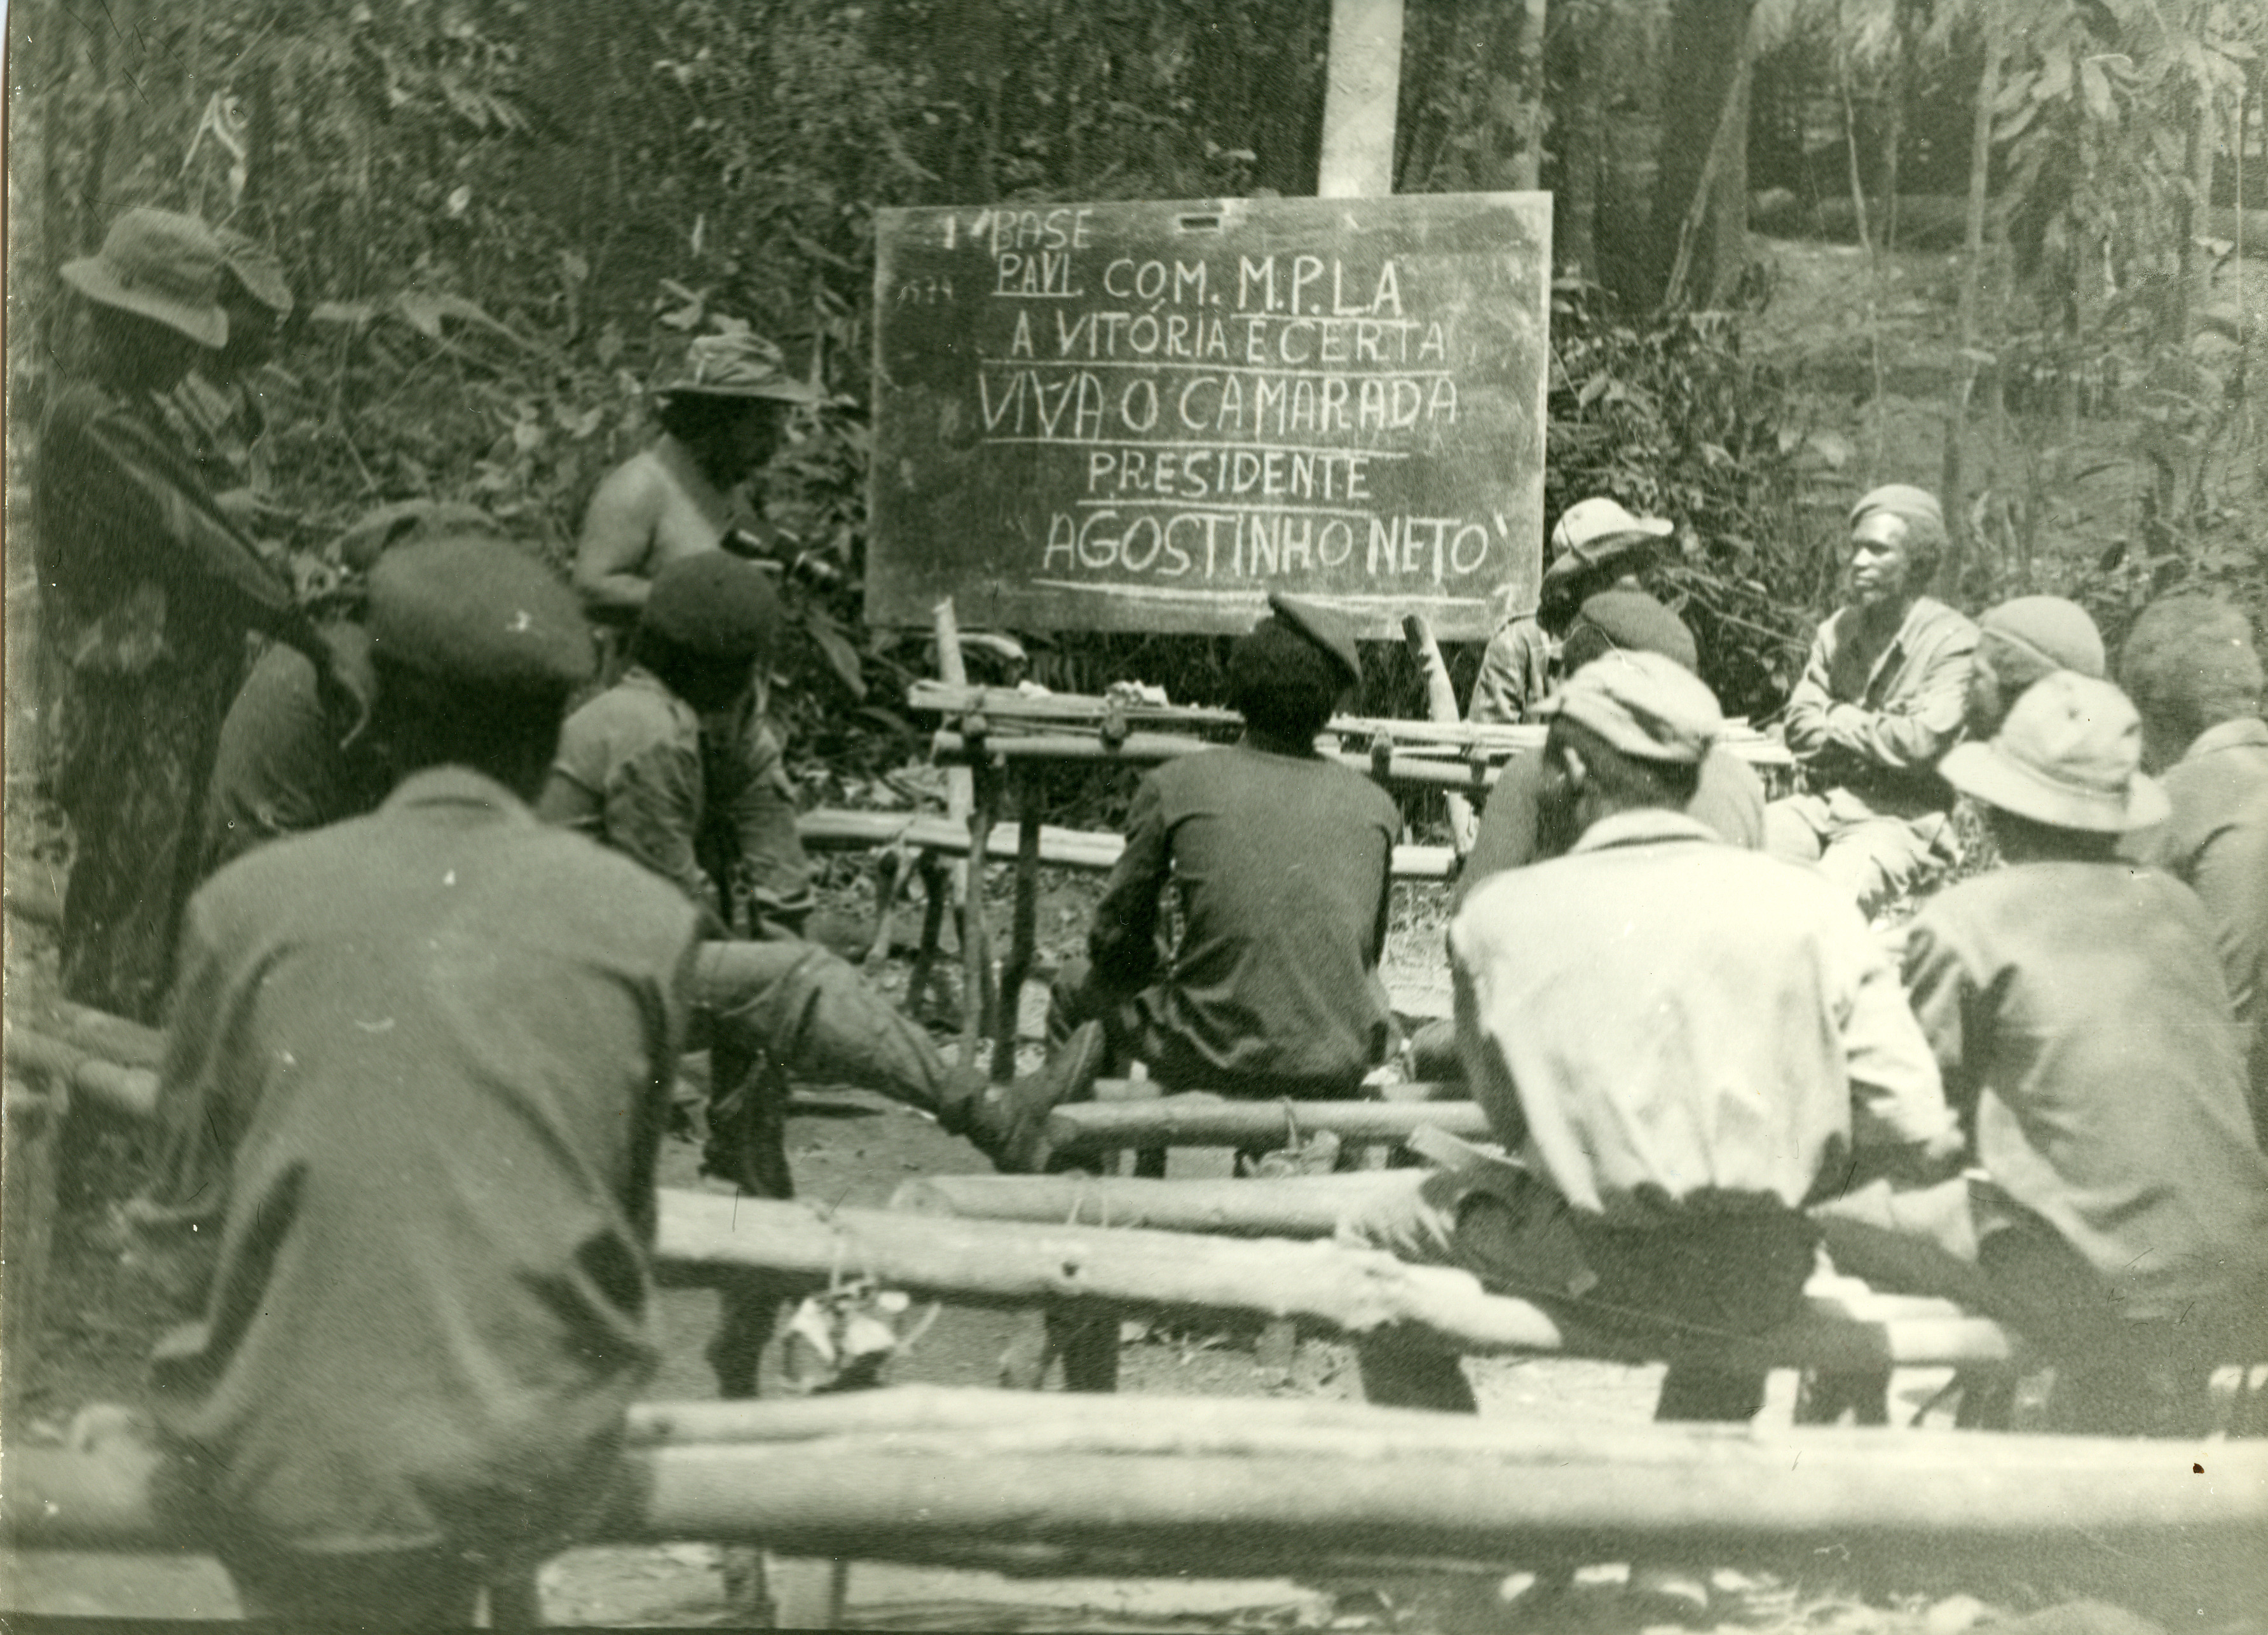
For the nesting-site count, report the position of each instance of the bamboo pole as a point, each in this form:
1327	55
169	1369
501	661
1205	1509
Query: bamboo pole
1200	1120
1222	1487
1351	1291
1297	1206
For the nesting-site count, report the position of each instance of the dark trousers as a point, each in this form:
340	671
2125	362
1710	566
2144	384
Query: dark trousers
405	1589
1132	1022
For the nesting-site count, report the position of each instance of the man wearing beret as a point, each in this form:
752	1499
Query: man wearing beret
2191	665
1283	860
2077	1012
2018	643
418	1069
1595	545
1683	1044
1881	699
147	592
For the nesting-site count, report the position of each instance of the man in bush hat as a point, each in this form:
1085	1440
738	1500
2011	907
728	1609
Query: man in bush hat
1682	1043
217	406
418	1069
1881	698
147	591
1595	544
2018	643
1283	862
2191	668
633	773
2077	1015
722	414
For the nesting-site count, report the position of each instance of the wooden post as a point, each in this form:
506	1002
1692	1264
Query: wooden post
1024	935
31	1126
960	783
976	953
1440	705
1362	87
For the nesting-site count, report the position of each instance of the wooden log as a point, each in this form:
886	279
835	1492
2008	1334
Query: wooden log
1402	769
1199	1120
1219	1487
1023	935
1299	1206
128	1092
832	830
1328	1285
1011	714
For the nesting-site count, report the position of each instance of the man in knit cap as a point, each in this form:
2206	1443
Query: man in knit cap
2078	1016
2018	643
1283	861
1881	699
417	1072
1713	1040
2190	666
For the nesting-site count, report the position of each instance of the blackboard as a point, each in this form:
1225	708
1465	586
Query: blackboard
1147	416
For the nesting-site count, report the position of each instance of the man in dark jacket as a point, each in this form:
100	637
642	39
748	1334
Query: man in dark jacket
1283	861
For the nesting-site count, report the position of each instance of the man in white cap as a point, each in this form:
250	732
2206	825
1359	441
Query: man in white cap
2078	1016
1683	1042
1596	544
1881	699
2191	665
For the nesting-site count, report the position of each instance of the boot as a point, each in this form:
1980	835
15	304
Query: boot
1008	1122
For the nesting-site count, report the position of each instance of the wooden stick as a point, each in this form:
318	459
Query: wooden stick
128	1092
975	951
1440	695
959	783
1023	935
1202	1120
1301	1206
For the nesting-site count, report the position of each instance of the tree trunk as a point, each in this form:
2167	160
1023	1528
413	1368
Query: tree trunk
1972	269
1701	190
1526	164
1575	229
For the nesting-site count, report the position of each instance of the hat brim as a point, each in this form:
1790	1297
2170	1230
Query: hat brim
208	327
781	392
1997	779
1603	551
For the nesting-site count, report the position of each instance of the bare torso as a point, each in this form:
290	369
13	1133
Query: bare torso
655	508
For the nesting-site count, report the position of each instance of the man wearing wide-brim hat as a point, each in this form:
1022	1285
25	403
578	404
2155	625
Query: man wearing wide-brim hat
1595	544
146	591
722	412
2077	1015
217	407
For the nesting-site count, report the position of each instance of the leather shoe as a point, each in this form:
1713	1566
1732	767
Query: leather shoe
1008	1122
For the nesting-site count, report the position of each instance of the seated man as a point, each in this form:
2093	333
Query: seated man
1681	1043
2018	643
2190	666
1597	545
1880	700
1727	796
1284	862
417	1067
2078	1014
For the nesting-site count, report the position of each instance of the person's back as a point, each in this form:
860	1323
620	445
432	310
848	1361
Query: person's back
1730	975
1283	865
2096	1050
432	1287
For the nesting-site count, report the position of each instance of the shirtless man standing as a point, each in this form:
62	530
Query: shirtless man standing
720	420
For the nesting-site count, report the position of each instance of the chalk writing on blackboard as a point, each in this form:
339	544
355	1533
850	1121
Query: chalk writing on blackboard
1149	416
